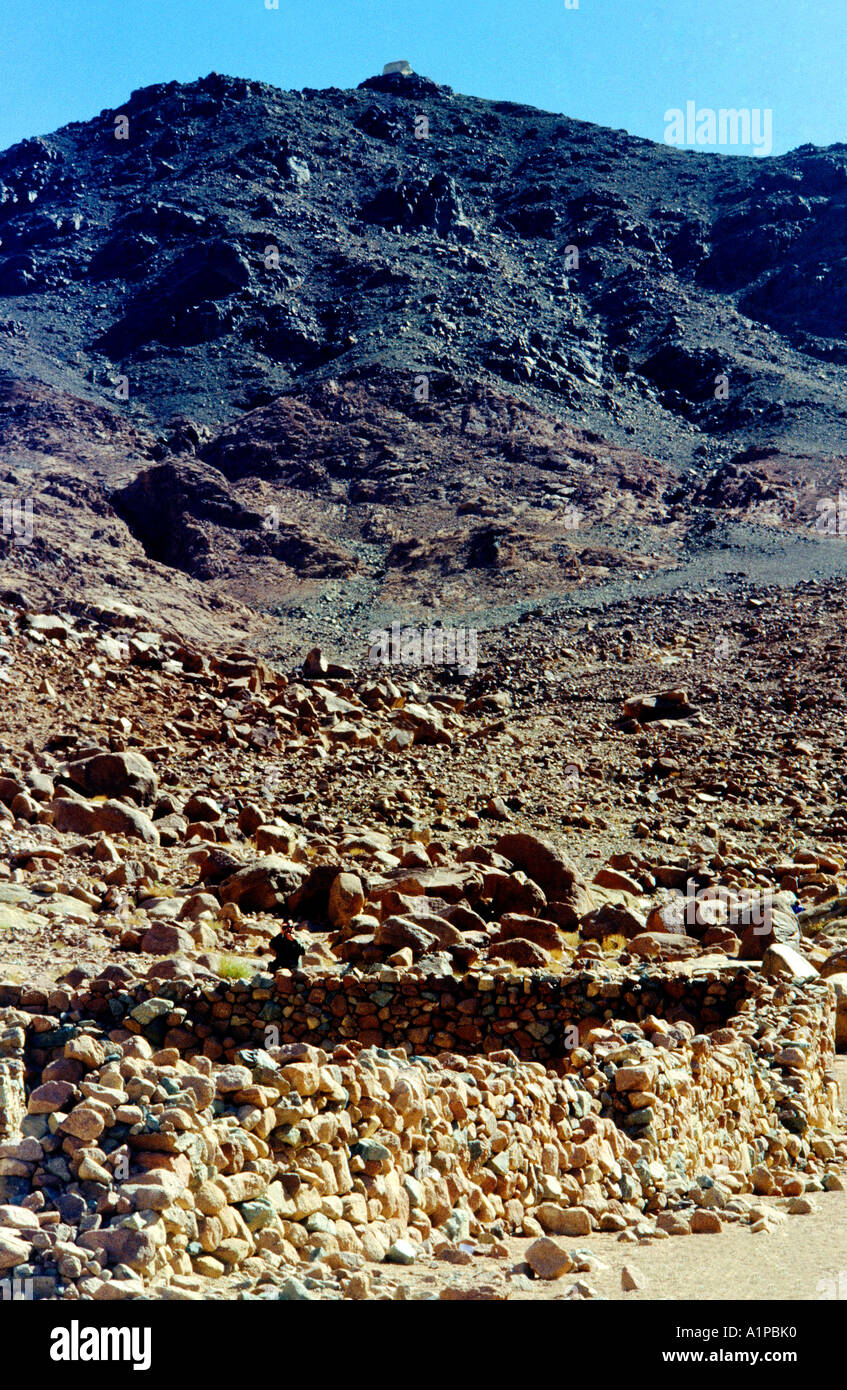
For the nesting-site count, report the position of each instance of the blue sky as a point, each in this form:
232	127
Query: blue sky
621	63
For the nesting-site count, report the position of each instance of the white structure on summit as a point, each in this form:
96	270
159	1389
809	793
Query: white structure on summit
402	66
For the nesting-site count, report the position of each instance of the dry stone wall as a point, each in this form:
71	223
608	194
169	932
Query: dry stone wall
159	1146
533	1014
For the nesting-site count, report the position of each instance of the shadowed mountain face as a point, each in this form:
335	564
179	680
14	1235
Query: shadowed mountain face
430	346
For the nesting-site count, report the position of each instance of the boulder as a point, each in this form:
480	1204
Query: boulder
397	932
18	1219
632	1279
672	916
202	808
445	932
535	929
263	886
611	919
166	939
520	952
116	774
567	910
197	904
346	899
50	1097
564	1221
835	964
668	704
48	625
548	1260
776	927
783	962
9	789
172	829
116	818
14	1249
616	879
277	839
311	900
120	1245
73	816
546	865
657	945
516	893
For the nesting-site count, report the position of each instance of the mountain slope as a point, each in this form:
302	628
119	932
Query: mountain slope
290	344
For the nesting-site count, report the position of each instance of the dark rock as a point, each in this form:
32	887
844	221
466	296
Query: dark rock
127	774
263	886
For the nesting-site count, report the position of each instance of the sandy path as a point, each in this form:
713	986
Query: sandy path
791	1263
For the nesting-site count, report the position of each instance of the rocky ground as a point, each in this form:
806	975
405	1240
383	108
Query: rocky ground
635	797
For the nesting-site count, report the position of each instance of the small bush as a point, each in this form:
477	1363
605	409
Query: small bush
233	968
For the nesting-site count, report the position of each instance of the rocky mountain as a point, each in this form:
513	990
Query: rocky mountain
318	353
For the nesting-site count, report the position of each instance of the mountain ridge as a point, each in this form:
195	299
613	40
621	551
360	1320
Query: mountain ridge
253	276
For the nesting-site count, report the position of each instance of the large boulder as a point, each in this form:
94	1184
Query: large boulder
423	913
72	815
166	939
264	886
835	964
520	952
396	932
567	911
547	1260
659	945
776	926
14	1249
611	919
677	915
783	962
311	900
667	704
127	774
346	899
515	925
120	1245
116	818
546	865
564	1221
515	893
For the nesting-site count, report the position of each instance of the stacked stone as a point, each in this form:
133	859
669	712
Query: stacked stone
532	1013
136	1164
758	1093
142	1164
12	1088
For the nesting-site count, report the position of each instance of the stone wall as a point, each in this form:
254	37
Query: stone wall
159	1144
532	1014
